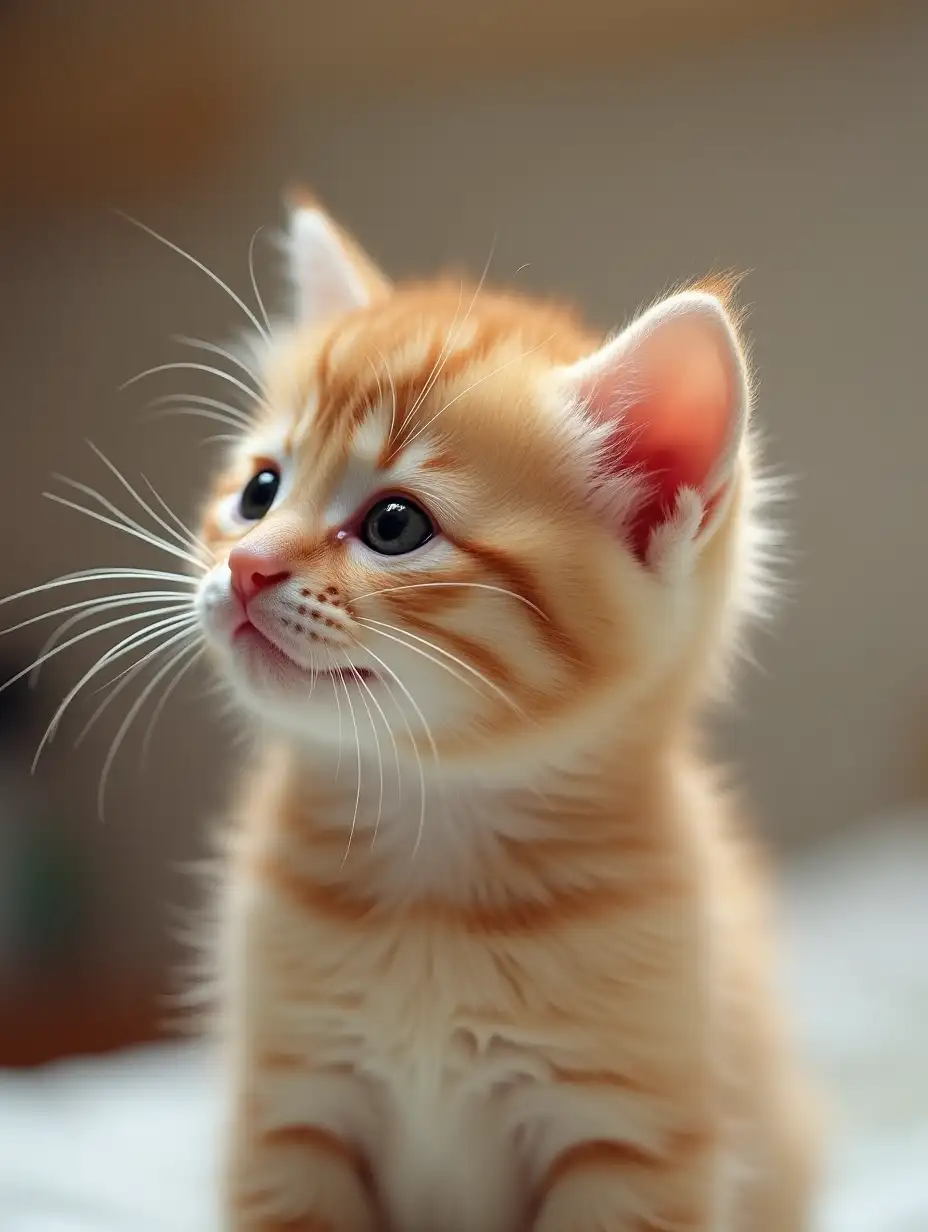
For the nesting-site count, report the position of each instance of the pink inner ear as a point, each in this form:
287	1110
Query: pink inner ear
675	436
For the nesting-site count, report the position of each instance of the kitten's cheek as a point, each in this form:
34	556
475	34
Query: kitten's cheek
218	607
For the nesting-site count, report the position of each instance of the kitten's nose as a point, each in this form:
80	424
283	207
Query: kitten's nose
254	570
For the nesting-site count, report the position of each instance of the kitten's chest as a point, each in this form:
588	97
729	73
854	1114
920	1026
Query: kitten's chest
436	1056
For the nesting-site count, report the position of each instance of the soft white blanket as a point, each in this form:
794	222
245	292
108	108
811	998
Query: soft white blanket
127	1144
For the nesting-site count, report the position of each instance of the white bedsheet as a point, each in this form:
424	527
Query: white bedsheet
127	1144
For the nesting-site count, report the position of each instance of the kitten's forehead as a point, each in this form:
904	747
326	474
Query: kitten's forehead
425	392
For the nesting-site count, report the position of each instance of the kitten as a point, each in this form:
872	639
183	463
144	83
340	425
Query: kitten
493	958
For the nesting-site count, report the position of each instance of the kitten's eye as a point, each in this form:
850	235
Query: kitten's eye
395	526
259	495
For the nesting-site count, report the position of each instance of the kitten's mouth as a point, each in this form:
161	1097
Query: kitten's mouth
253	641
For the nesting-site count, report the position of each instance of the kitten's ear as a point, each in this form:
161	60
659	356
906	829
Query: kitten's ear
330	272
666	404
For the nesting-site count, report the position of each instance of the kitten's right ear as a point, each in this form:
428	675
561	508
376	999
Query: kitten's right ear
330	272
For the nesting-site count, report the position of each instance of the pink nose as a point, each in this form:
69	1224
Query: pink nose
253	571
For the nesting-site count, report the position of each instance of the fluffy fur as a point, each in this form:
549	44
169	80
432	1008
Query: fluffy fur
493	958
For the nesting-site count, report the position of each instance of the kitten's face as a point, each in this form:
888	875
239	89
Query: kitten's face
435	532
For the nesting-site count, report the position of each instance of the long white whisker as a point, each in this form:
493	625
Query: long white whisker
428	732
189	537
97	575
104	573
200	266
370	718
200	344
72	641
188	366
125	519
392	390
396	753
196	412
357	741
451	340
89	605
254	280
124	678
475	384
129	719
152	540
135	638
442	357
236	413
183	540
381	628
99	608
338	703
169	690
500	590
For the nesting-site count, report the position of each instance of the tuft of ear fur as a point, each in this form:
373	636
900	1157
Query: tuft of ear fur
666	404
330	272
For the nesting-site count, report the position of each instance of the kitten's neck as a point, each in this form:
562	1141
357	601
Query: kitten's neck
458	838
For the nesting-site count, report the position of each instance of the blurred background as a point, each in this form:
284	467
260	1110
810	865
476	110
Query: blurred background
609	148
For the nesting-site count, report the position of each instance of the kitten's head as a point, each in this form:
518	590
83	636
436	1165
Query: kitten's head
462	517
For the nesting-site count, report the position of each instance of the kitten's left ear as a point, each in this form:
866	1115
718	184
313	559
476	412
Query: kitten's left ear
331	273
667	405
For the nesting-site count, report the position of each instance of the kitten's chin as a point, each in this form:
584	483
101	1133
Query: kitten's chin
280	688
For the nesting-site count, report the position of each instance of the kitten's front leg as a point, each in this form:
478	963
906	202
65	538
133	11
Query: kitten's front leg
295	1177
609	1186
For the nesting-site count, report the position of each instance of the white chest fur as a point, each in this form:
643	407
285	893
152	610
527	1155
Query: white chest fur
403	1059
438	1052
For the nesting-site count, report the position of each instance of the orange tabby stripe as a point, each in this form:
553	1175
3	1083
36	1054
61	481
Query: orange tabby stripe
608	1155
512	918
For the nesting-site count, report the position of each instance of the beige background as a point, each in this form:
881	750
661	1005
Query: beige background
805	162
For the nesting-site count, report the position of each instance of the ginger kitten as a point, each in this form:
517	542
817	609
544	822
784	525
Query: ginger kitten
493	960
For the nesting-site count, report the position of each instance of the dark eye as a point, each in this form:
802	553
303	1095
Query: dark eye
259	494
395	526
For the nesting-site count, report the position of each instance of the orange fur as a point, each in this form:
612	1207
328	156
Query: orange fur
494	958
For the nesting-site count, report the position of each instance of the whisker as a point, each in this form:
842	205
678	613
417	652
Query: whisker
254	280
381	627
450	341
90	605
338	703
100	607
124	518
370	718
195	412
428	733
475	384
72	641
392	390
443	355
200	344
152	540
388	590
105	573
96	575
136	638
200	266
189	537
396	753
141	637
236	414
169	690
186	540
130	718
357	741
189	365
